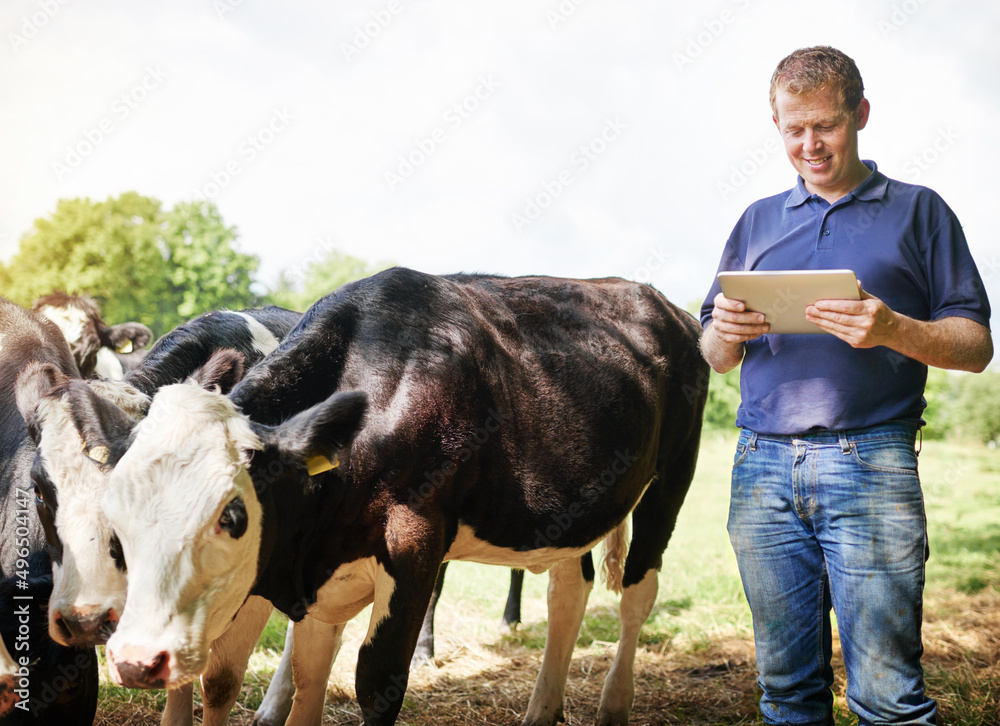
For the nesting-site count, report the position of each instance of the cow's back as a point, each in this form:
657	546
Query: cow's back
493	397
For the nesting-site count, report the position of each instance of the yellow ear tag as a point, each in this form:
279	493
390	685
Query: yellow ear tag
124	347
319	463
99	454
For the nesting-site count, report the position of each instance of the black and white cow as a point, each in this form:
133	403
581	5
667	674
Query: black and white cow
510	421
53	684
100	349
76	423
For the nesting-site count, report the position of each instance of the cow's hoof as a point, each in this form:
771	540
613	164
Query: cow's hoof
506	628
607	718
545	719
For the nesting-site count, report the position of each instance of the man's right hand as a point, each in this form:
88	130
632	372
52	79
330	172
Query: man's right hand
732	325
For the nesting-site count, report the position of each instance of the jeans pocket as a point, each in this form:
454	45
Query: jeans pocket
742	451
892	456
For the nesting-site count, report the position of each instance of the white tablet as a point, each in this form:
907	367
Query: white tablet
783	295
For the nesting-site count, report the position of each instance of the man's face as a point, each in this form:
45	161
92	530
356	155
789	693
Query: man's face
821	140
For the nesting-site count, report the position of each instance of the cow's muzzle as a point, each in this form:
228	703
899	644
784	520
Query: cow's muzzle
135	668
75	627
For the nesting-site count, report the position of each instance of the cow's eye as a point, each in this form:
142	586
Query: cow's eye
115	550
234	518
39	499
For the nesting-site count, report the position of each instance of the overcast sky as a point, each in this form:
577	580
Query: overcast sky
580	138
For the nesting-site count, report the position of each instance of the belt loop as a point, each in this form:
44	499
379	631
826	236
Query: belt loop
753	441
845	445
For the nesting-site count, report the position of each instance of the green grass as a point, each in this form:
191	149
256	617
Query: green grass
695	664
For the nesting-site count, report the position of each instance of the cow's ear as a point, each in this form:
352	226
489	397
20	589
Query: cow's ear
103	425
223	371
128	337
33	383
312	438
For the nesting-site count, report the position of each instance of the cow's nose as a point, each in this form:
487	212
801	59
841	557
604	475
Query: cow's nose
82	627
135	668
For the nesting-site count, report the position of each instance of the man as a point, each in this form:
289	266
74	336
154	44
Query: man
826	508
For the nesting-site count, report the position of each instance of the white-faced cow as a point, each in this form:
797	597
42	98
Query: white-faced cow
77	425
108	351
53	684
510	421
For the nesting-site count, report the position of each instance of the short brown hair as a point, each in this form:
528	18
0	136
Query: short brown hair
808	70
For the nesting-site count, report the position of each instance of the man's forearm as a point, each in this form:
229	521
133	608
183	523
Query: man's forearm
722	355
952	343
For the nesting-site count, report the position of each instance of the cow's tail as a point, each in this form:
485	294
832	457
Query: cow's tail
615	550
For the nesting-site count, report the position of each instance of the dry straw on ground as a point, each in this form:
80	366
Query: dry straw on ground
489	682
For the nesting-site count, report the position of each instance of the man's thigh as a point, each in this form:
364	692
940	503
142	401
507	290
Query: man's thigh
873	530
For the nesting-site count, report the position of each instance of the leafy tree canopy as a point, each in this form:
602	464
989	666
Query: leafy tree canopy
139	261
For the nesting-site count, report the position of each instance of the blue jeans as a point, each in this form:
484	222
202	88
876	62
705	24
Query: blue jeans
833	519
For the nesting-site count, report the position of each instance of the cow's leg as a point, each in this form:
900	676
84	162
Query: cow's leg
401	599
512	610
619	689
425	641
567	600
653	522
227	664
179	710
277	701
316	645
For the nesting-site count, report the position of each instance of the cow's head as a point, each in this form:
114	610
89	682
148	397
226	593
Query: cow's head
185	503
80	428
99	348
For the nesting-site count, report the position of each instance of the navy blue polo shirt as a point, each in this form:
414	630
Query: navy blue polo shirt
907	248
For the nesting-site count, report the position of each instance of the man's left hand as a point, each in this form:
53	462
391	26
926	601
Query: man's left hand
862	323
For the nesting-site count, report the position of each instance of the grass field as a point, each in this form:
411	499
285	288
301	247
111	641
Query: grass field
695	664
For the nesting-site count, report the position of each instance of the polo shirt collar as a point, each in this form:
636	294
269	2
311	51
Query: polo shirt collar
872	189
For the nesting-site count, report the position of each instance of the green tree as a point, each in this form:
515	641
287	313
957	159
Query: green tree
977	408
723	400
137	260
207	271
301	286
